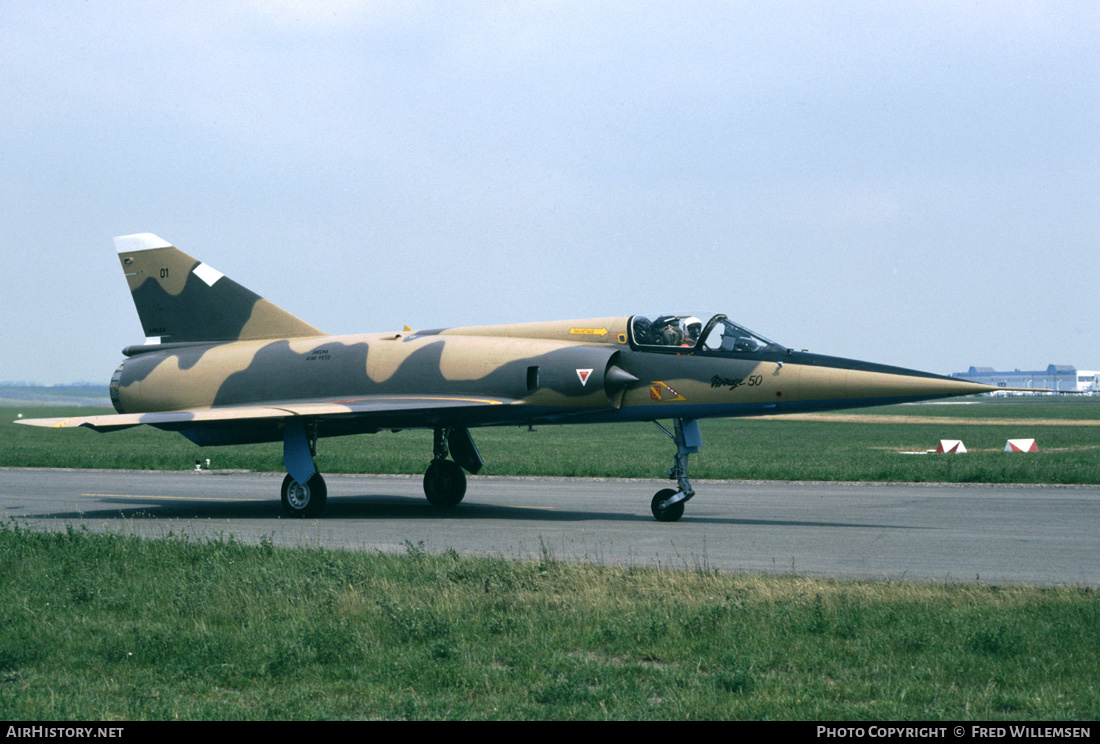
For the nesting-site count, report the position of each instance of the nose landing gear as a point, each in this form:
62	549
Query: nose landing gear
664	508
668	504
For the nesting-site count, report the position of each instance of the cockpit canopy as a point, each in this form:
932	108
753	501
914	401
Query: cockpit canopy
717	335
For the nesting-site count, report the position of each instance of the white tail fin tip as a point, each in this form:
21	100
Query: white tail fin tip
139	242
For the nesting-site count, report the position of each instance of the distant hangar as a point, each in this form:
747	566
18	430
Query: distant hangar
1054	377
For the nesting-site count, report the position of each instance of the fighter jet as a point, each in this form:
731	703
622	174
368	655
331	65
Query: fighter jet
221	365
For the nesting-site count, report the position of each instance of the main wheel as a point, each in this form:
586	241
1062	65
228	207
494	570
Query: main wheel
304	500
444	483
662	510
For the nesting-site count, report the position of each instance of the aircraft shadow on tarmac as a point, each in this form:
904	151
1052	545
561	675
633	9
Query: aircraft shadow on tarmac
387	506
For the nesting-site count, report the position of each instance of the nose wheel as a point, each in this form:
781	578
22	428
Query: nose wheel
668	503
664	508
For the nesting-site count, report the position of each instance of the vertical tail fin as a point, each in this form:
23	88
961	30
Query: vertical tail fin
180	299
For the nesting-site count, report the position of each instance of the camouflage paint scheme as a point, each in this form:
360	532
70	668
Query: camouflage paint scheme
222	365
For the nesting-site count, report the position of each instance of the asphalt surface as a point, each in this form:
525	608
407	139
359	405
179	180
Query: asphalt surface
956	533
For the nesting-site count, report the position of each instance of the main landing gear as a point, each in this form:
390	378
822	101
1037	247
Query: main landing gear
444	481
304	493
668	503
304	500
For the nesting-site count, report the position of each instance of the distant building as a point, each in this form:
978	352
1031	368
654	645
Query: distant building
1054	377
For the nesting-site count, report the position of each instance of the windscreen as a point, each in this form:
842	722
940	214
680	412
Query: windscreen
686	331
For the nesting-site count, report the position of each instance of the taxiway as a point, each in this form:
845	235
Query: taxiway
994	534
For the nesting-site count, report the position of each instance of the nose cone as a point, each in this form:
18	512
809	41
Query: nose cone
866	384
831	382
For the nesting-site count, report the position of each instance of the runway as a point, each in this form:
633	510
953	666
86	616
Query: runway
929	532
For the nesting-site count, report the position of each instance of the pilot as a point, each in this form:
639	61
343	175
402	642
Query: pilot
694	328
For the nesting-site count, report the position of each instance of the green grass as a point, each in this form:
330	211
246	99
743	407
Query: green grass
102	627
776	448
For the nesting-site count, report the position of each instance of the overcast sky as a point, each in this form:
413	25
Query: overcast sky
909	183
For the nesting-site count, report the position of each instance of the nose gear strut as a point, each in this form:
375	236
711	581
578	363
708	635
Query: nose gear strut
668	504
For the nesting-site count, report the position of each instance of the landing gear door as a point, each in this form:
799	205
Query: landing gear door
464	451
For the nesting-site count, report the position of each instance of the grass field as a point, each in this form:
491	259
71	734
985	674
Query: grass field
105	627
862	445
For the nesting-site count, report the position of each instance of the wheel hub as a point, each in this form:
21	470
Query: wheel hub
298	495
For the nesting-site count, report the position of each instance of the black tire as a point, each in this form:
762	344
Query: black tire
444	483
664	512
304	500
